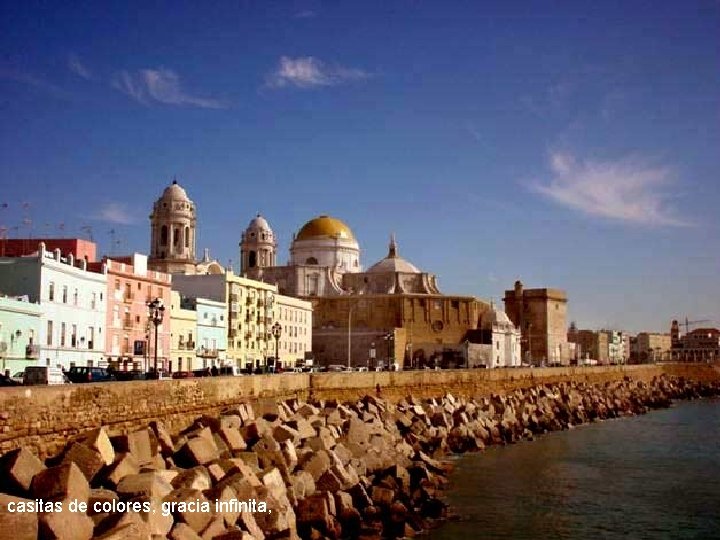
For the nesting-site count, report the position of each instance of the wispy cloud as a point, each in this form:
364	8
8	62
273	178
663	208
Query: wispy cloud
162	85
115	212
78	68
309	72
305	14
625	190
34	82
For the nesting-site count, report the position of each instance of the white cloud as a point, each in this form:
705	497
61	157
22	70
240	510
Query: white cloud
115	213
78	68
309	72
161	86
624	190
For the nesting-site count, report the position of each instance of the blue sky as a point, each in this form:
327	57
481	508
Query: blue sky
568	144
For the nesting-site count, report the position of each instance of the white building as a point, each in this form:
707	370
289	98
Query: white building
496	344
72	301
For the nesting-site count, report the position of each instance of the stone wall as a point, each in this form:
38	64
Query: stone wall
45	418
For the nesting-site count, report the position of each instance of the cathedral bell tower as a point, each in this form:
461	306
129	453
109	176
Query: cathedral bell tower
172	236
257	248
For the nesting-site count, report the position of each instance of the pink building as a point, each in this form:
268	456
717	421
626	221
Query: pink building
130	332
22	247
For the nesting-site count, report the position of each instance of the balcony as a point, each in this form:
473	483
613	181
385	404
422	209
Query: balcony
202	352
232	333
128	297
248	335
260	303
268	320
250	301
128	324
234	298
190	345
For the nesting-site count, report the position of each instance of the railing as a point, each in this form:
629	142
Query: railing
32	351
128	297
249	301
127	324
232	332
202	352
190	345
260	303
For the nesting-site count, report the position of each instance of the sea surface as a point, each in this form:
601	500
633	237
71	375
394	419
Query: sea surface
650	476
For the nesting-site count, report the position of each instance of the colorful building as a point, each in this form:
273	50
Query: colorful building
183	327
19	331
72	300
129	342
22	247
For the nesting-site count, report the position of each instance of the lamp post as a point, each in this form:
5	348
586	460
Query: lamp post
371	359
350	310
156	312
276	332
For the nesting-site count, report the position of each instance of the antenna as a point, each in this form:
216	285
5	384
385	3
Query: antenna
88	230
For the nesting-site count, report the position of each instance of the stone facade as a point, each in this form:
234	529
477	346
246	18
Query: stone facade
44	419
420	325
541	316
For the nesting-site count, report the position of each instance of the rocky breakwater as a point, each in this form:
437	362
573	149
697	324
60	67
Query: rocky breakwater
292	469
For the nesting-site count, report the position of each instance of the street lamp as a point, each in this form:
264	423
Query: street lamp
156	312
372	356
276	332
350	310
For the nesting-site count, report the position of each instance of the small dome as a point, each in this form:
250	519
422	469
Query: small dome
324	227
393	262
259	223
175	192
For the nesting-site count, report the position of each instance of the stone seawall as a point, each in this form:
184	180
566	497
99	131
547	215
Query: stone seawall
43	419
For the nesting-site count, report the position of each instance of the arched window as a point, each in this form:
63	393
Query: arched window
176	237
252	259
187	237
311	260
163	235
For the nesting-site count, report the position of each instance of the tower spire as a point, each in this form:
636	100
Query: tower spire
393	249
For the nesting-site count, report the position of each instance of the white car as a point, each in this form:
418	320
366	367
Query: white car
18	377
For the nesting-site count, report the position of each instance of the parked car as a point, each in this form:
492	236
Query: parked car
18	377
8	381
86	374
131	375
183	375
43	375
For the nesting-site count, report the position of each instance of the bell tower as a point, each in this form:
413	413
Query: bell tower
172	232
258	247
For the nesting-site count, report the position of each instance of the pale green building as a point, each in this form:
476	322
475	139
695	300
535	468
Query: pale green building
19	334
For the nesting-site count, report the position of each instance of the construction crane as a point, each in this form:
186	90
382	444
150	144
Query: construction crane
687	323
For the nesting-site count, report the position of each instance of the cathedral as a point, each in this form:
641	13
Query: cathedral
393	313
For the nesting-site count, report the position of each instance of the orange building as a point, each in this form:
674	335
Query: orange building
130	333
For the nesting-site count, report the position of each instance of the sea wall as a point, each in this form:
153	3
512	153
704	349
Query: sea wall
43	419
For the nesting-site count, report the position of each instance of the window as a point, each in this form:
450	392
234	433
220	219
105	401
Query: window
49	334
117	284
163	235
91	338
51	292
65	294
73	336
187	237
62	334
93	301
176	237
75	298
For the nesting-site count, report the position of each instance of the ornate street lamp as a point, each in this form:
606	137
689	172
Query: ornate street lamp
276	332
156	312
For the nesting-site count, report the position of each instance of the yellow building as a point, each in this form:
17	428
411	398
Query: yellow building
295	318
183	323
253	307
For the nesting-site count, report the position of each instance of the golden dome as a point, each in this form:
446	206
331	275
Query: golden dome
324	226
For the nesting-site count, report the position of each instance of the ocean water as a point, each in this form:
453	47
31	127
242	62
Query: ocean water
650	476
